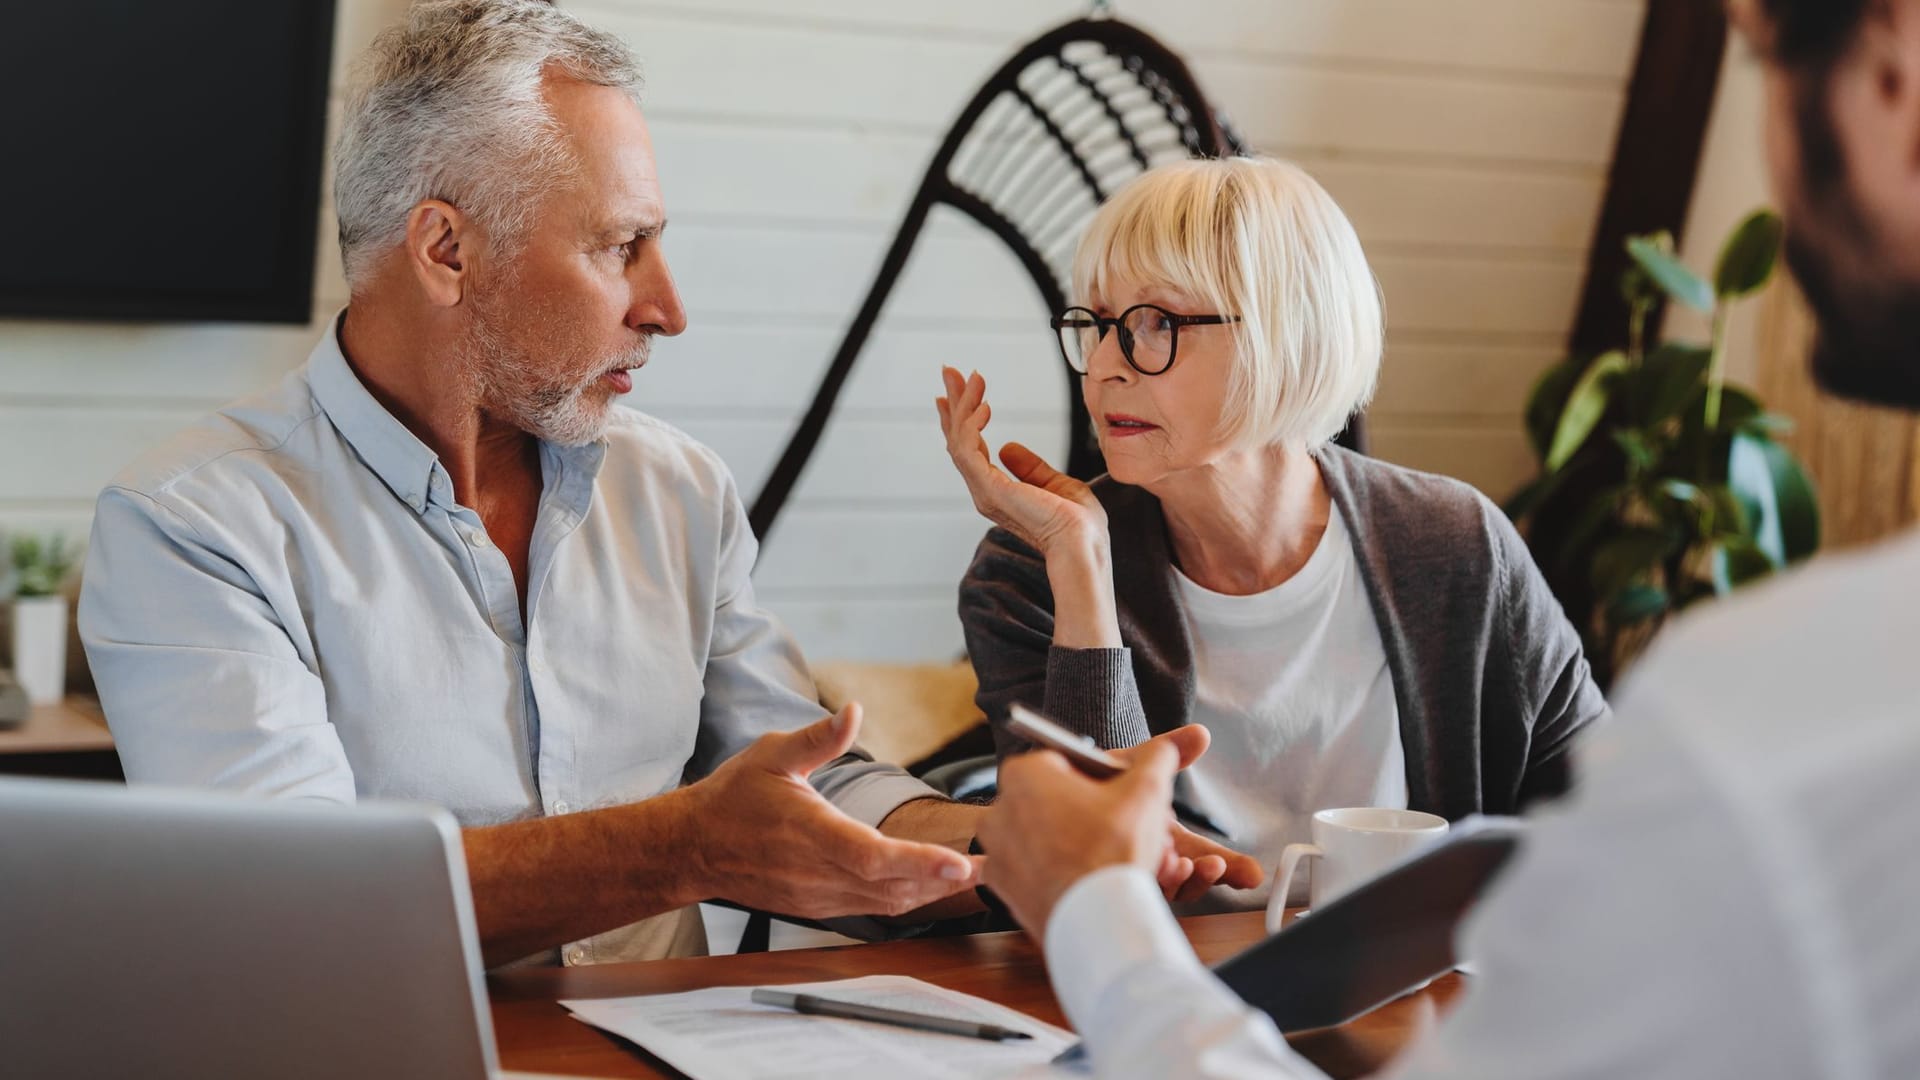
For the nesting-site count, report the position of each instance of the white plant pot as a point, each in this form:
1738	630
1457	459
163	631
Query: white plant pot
40	647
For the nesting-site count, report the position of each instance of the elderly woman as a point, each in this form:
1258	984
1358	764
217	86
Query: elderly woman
1349	632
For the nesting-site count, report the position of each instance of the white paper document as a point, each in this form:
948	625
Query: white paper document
720	1034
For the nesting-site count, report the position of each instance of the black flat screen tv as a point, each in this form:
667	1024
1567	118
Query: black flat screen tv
161	159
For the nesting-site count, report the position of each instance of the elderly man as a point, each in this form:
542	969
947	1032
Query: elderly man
439	563
1731	892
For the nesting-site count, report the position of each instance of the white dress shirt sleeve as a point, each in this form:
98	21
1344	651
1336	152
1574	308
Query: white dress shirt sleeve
198	678
1146	1006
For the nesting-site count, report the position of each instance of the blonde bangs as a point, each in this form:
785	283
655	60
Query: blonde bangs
1260	239
1168	228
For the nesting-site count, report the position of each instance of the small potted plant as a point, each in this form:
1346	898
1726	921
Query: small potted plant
1661	483
40	569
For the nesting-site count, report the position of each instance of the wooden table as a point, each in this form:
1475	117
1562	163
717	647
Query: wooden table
69	739
536	1035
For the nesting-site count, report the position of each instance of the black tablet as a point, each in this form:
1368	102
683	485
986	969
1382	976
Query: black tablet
1379	941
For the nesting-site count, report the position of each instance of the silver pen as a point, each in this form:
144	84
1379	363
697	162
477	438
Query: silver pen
848	1010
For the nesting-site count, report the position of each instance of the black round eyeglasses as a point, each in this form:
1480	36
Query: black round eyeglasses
1149	335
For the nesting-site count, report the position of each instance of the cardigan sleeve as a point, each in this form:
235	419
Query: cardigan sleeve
1006	614
1542	650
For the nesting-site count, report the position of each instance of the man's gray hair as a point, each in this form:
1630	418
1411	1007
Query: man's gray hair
447	105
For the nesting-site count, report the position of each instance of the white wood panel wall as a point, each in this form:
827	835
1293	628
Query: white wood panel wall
1468	139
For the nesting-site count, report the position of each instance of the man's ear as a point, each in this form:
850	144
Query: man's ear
436	231
1899	23
1872	92
1888	51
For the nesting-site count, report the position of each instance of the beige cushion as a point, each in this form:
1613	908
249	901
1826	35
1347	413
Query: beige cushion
911	710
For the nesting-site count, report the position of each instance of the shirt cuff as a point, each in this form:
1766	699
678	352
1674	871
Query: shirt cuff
867	792
1108	924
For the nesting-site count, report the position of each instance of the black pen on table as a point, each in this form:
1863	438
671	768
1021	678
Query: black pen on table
848	1010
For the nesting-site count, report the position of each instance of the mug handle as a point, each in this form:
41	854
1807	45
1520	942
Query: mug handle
1283	882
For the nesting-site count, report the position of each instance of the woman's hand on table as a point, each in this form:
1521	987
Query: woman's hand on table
1192	863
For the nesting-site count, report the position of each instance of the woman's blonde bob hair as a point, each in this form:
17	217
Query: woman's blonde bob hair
1260	239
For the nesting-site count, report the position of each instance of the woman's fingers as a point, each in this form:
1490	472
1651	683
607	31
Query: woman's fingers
1207	871
966	408
975	392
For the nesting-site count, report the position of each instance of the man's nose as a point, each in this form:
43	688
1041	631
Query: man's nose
656	306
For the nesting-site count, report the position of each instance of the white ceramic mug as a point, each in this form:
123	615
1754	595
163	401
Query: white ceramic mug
1352	845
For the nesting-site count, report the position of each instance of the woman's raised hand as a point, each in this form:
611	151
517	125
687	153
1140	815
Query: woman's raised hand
1037	503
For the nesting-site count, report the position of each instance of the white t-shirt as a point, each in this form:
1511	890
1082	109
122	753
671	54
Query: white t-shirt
1293	685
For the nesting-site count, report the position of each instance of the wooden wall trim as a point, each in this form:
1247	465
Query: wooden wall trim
1656	157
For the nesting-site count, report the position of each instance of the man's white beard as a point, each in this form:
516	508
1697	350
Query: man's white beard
510	389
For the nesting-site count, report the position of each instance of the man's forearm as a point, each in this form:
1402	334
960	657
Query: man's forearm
541	883
949	824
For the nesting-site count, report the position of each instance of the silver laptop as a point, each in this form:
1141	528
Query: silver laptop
157	933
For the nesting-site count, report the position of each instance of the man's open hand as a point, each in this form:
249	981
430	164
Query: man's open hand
767	839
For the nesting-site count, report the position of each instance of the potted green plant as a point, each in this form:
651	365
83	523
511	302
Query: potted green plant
1661	484
40	569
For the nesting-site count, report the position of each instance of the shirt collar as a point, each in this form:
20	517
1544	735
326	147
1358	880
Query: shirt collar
397	456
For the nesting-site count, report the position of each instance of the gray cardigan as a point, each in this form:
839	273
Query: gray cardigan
1488	675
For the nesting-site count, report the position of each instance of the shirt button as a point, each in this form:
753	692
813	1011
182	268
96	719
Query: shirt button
560	806
538	667
478	538
576	955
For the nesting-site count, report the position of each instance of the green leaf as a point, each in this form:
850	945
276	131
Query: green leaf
1769	425
1629	556
1736	562
1670	273
1738	408
1586	404
1680	490
1731	515
1576	543
1641	455
1636	603
1675	375
1785	514
40	565
1548	400
1748	259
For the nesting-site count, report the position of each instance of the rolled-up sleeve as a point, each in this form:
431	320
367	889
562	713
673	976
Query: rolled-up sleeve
200	683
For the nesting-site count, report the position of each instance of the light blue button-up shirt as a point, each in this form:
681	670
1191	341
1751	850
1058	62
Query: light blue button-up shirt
286	599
